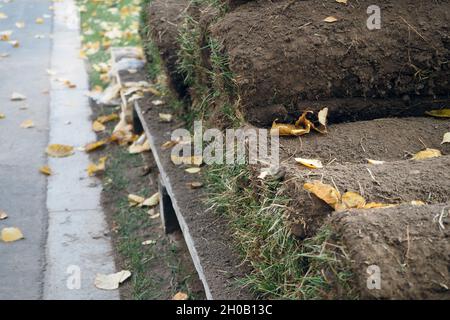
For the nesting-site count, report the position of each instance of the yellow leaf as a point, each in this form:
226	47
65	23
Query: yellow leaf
375	162
310	163
180	296
3	16
353	200
59	150
27	124
3	215
152	201
39	20
417	203
375	205
169	144
165	117
324	192
11	234
442	113
20	25
135	200
288	130
139	148
108	118
98	126
45	170
193	170
2	116
446	138
427	154
93	168
94	145
330	19
342	1
196	185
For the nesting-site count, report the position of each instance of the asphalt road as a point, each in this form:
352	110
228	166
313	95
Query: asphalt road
22	187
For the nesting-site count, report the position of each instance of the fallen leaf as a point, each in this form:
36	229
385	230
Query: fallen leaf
169	144
59	150
39	20
427	154
158	102
27	124
3	16
14	43
324	192
196	185
5	35
322	118
135	200
152	201
310	163
148	242
98	126
417	203
18	97
139	148
376	205
93	168
342	1
94	145
3	215
330	19
301	127
20	25
11	234
180	296
353	200
45	170
165	117
2	116
446	138
108	118
442	113
375	162
111	281
193	170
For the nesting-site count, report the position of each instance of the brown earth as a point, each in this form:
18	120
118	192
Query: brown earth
408	245
285	59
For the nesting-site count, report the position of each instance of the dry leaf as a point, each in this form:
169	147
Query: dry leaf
93	168
139	148
375	162
20	25
18	97
330	19
2	116
11	234
353	200
169	144
324	192
39	20
446	138
310	163
193	170
322	118
165	117
376	205
196	185
152	201
27	124
148	242
342	1
59	150
417	203
111	281
98	126
3	16
135	200
427	154
45	170
442	113
3	215
108	118
180	296
94	145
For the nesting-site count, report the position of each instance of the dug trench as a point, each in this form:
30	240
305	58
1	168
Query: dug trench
284	59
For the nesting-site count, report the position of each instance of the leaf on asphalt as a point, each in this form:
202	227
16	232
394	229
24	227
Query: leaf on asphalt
135	200
3	16
427	154
11	234
330	19
375	162
39	20
94	145
111	281
93	168
165	117
193	170
98	126
180	296
27	124
108	118
20	24
18	97
2	116
152	201
442	113
14	43
45	170
446	138
5	35
324	192
352	200
310	163
59	150
3	215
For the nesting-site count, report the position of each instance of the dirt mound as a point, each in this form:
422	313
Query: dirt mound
286	59
409	244
164	19
391	183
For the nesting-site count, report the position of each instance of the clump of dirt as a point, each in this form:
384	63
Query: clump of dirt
406	246
286	59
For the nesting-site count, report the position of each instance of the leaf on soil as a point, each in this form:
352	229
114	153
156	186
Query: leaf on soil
165	117
93	168
139	148
417	203
108	118
27	124
193	170
378	205
442	113
375	162
148	242
342	1
98	126
310	163
427	154
324	192
45	170
59	150
18	97
180	296
169	144
322	118
196	185
152	201
330	19
94	145
3	215
135	200
158	102
11	234
446	138
352	200
111	281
